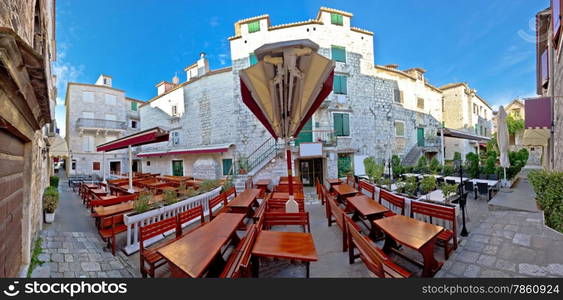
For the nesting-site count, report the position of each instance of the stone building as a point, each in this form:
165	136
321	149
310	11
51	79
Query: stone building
96	114
212	128
469	114
27	101
549	77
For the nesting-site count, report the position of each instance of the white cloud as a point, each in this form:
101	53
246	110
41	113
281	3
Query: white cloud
214	22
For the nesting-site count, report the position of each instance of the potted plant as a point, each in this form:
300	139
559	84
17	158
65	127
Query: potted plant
170	197
50	203
142	204
448	190
242	165
374	171
428	184
410	186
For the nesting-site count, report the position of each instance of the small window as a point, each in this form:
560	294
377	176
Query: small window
420	103
254	26
339	54
252	59
341	124
134	106
73	164
174	110
133	124
175	138
148	163
340	84
337	19
399	129
95	166
227	166
398	95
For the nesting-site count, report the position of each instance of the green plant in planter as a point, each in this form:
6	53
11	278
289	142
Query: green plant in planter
448	170
227	185
448	190
410	186
400	185
457	156
422	165
428	184
387	182
50	199
170	197
243	164
182	189
374	171
208	185
396	165
472	161
434	166
142	204
54	181
191	192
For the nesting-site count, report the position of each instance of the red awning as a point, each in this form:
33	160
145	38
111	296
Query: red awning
198	150
149	136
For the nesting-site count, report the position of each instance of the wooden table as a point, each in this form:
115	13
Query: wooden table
91	186
167	188
344	190
284	245
415	234
191	255
333	181
99	192
136	189
286	181
108	197
106	211
285	196
262	185
243	202
370	209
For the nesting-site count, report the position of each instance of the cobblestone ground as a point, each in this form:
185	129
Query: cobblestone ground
508	244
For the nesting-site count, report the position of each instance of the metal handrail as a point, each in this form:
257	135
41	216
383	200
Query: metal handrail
100	123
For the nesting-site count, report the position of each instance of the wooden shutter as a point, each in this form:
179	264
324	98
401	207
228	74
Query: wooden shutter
252	59
336	19
345	124
336	84
96	166
344	85
556	15
338	124
134	106
339	54
254	26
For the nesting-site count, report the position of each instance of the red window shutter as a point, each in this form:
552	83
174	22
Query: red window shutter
96	166
544	67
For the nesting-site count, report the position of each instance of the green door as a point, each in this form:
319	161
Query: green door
344	165
420	136
177	168
306	134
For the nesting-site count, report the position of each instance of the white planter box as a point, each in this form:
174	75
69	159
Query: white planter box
49	217
134	221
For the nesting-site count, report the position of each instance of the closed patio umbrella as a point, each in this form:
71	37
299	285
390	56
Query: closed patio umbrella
502	140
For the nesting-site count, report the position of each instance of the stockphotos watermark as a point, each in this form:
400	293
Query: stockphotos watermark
71	289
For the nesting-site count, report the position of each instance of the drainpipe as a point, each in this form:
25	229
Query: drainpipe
552	102
442	144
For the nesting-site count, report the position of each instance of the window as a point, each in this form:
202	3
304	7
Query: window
341	124
336	19
544	67
133	124
88	97
340	84
254	26
398	96
87	143
474	108
399	129
174	110
339	54
556	13
73	164
111	99
252	59
175	138
95	166
134	106
227	166
148	163
420	103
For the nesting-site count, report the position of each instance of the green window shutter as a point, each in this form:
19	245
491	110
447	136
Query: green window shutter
252	58
344	85
339	54
345	124
340	85
336	19
336	84
254	26
337	124
134	106
227	165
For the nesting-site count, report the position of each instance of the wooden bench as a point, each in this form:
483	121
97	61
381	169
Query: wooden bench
110	202
109	227
230	194
395	203
374	258
287	219
238	264
351	181
278	205
319	191
218	200
150	256
445	213
365	186
335	210
284	188
259	212
189	215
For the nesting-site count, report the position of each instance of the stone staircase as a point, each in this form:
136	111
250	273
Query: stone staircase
412	156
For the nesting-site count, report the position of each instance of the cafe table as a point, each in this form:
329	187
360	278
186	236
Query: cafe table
415	234
365	207
343	191
333	181
285	196
262	185
283	245
192	255
243	202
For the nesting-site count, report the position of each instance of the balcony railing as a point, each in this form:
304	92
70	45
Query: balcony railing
99	123
326	136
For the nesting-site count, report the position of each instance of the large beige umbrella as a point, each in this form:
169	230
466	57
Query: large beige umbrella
502	140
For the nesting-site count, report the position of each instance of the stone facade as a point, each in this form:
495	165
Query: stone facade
96	114
27	101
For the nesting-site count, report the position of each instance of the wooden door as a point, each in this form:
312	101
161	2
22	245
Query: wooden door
177	168
420	137
11	199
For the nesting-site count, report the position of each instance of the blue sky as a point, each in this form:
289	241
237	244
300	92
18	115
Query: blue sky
489	44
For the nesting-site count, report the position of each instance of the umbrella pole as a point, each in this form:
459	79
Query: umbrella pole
289	172
130	170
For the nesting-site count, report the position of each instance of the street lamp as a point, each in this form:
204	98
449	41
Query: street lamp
462	196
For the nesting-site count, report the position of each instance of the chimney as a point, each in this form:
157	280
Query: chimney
200	68
175	79
163	87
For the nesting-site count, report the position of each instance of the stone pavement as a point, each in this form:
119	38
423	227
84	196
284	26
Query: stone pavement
520	197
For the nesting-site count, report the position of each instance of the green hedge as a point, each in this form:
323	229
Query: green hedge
54	181
549	192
